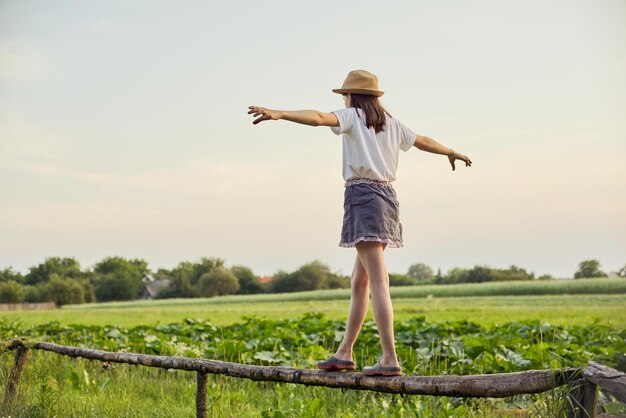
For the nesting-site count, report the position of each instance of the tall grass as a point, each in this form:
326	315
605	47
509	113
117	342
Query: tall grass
62	387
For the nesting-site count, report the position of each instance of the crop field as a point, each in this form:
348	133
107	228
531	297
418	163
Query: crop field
444	330
559	302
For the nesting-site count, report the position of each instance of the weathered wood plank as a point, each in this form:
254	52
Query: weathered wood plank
582	399
610	380
491	385
202	395
13	383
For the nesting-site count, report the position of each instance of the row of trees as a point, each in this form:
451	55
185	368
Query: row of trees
211	278
62	281
420	273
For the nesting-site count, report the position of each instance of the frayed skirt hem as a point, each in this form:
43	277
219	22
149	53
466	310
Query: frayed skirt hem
392	243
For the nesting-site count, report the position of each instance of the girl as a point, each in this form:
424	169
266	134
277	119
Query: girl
372	139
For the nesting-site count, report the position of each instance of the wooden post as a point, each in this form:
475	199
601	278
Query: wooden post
202	396
582	399
610	380
21	357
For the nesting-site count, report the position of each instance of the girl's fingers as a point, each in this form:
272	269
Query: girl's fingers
261	119
254	109
260	113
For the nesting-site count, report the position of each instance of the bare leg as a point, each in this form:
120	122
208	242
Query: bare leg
373	260
359	301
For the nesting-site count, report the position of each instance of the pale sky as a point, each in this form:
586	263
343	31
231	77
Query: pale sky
123	130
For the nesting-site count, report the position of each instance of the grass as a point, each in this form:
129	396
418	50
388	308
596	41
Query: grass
79	388
521	288
486	311
58	386
576	302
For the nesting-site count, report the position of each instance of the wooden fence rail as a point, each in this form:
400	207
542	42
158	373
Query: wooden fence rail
492	385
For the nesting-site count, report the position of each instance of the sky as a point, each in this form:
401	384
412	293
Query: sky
124	131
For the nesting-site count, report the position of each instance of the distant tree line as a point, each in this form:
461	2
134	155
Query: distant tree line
62	281
421	274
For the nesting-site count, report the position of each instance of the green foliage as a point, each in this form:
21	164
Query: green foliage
34	294
589	269
179	287
8	274
11	292
37	285
311	276
193	271
248	281
336	281
454	276
219	281
131	391
116	265
425	348
401	280
512	273
185	276
116	278
64	267
115	287
421	272
480	274
89	290
55	385
63	291
622	272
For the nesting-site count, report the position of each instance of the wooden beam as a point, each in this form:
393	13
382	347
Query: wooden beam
13	384
582	399
202	395
479	386
610	380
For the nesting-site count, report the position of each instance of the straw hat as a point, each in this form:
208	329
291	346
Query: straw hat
360	82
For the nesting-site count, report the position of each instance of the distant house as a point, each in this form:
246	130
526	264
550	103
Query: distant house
265	279
151	289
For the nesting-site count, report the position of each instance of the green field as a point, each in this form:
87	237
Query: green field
461	329
558	302
488	310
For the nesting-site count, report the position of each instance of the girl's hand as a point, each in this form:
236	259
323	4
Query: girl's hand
458	156
263	113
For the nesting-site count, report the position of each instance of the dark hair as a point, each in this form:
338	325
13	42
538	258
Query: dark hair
373	109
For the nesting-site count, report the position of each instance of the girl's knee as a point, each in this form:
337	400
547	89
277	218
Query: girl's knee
359	280
378	281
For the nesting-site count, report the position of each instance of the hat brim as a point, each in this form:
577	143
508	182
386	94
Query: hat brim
367	92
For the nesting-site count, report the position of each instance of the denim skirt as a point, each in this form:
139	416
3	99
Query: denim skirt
371	213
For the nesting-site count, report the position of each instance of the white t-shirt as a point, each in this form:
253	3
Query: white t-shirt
367	154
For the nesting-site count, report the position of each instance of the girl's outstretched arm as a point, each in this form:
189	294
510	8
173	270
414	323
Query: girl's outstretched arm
305	117
424	143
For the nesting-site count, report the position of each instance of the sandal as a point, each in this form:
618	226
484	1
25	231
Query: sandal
334	364
380	370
